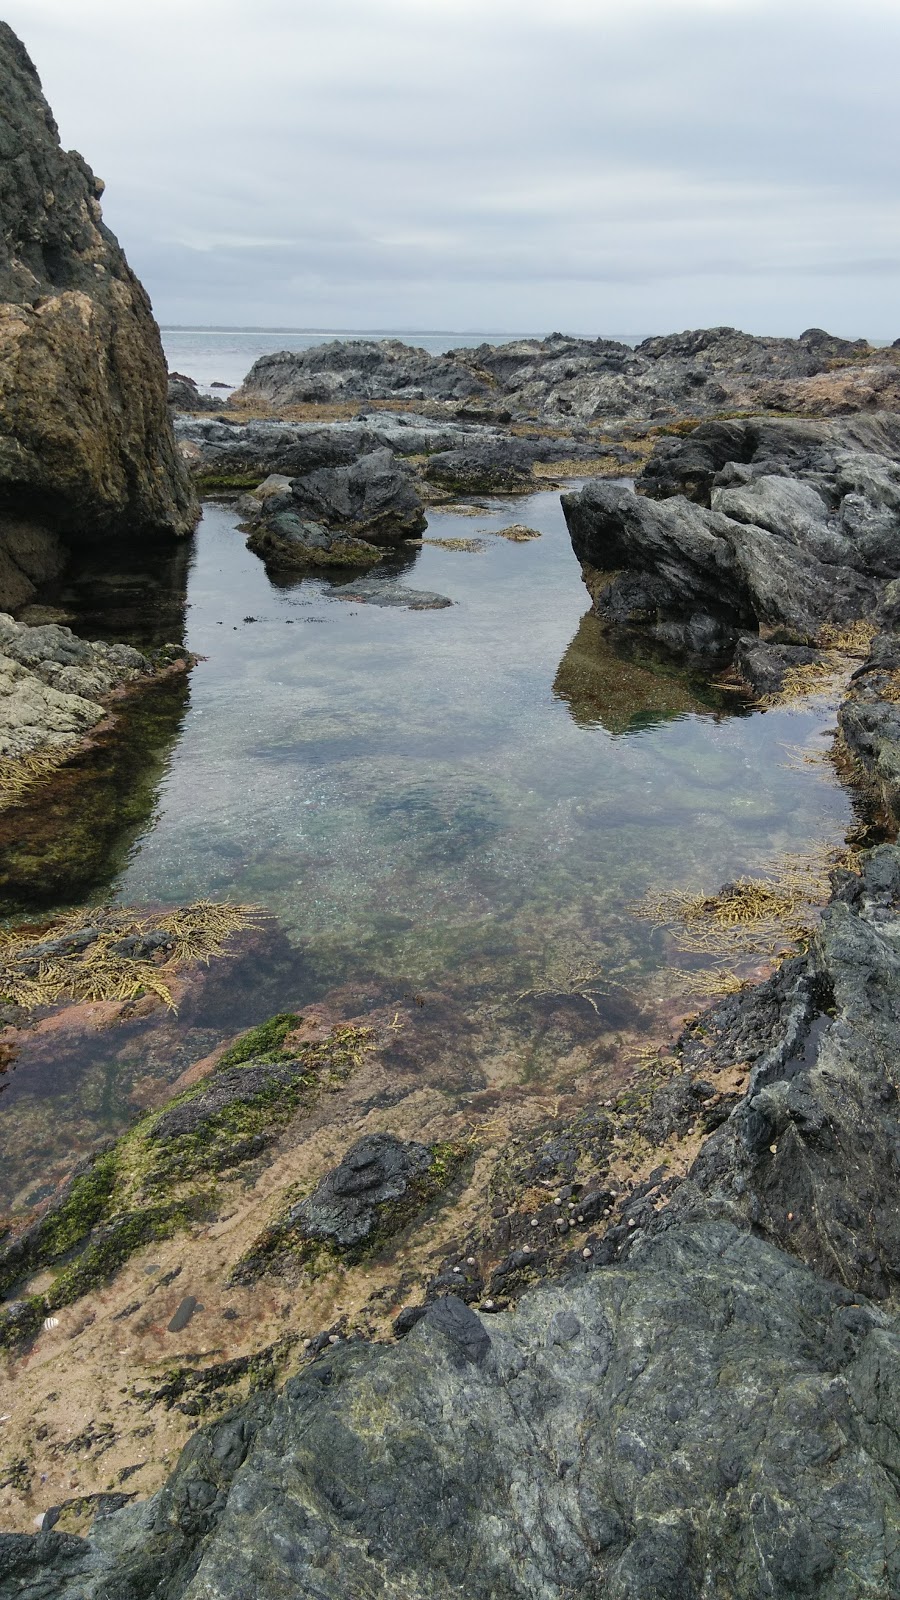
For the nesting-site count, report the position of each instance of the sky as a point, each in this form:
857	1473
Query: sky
594	166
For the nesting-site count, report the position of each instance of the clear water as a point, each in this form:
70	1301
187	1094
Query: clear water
460	805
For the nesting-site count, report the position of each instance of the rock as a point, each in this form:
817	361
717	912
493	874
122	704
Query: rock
357	369
747	1451
712	1411
503	467
287	543
387	592
373	499
765	666
758	524
572	380
85	439
344	1208
183	394
335	516
52	683
869	723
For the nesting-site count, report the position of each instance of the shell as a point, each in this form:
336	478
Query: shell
51	1322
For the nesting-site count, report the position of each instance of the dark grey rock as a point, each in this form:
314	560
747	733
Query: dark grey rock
358	369
344	1208
183	395
764	666
372	498
782	526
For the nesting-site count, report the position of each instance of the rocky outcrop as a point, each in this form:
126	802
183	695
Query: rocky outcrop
334	516
572	380
759	524
52	685
357	369
86	447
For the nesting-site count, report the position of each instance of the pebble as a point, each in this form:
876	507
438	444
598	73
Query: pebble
773	1148
586	1254
334	1338
307	1343
470	1261
557	1199
457	1269
579	1219
631	1222
534	1222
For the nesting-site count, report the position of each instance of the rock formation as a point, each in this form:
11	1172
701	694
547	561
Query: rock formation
85	442
774	525
334	516
573	380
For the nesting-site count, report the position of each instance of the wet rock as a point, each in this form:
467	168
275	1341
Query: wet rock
373	499
765	525
335	516
86	439
344	1208
574	1447
503	467
387	592
869	724
764	666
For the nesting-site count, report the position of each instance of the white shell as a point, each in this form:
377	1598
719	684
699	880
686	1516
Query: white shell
51	1322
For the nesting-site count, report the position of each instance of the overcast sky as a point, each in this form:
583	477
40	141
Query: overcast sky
616	166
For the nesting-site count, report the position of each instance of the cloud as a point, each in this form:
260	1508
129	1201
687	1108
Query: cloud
632	165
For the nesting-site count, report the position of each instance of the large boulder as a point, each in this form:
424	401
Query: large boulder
334	516
85	441
759	524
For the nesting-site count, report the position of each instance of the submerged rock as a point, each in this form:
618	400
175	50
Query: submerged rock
388	592
85	438
376	1171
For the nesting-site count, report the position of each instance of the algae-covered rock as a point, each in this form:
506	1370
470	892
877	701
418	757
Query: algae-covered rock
85	440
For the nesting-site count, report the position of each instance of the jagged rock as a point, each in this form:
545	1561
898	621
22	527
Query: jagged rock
765	666
335	516
343	1210
85	439
183	395
373	498
357	369
869	722
583	380
781	526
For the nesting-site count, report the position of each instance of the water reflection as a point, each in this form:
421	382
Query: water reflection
604	687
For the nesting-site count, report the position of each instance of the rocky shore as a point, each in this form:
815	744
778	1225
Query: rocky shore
311	1325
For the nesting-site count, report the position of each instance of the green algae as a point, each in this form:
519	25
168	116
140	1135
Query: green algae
227	482
263	1043
158	1178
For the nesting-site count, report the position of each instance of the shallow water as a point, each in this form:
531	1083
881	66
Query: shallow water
458	804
